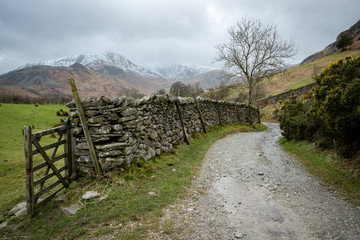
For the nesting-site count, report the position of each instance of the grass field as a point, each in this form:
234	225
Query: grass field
13	118
129	211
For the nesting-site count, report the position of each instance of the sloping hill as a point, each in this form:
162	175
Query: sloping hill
51	82
291	78
302	75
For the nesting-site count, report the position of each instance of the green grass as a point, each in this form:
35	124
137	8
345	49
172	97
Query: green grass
129	211
327	166
13	118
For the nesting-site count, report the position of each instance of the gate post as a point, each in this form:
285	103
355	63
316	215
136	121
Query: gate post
30	198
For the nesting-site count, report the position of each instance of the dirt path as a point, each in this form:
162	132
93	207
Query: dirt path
249	188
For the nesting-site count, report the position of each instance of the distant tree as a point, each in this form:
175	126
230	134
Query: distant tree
180	89
177	89
253	51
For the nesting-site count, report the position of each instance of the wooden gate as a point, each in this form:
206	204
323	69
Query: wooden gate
47	178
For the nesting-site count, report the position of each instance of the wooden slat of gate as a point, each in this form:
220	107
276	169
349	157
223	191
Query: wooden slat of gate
47	147
52	160
44	164
47	132
50	196
50	175
47	159
45	190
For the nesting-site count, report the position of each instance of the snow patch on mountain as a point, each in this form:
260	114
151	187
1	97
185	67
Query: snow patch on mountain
182	72
98	62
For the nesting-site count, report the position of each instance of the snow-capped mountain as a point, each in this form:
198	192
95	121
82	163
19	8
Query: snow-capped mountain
105	62
114	67
182	72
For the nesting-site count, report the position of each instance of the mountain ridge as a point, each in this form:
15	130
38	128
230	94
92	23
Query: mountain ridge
96	62
182	71
109	73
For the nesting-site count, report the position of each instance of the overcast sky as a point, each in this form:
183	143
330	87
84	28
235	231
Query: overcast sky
158	32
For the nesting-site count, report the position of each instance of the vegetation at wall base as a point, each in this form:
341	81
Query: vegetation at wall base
343	175
134	199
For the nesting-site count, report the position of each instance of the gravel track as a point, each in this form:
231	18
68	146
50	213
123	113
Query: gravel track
248	188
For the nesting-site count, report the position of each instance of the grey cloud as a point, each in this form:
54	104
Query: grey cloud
157	32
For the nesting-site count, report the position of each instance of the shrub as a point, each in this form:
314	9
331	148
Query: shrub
337	104
331	116
294	119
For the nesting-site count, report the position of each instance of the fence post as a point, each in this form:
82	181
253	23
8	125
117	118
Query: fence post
30	198
218	110
237	113
181	121
201	118
68	152
93	155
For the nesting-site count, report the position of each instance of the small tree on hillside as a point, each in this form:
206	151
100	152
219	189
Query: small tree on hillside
253	51
344	42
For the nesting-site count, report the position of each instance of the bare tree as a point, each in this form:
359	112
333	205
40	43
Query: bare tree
254	50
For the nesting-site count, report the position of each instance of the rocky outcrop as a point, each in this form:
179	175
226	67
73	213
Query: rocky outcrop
125	130
353	32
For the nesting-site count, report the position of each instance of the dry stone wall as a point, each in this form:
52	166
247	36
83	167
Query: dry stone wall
124	130
286	95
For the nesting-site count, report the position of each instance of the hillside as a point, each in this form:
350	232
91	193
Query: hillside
302	75
291	78
51	82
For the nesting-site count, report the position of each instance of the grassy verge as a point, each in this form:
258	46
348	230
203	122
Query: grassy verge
134	198
13	118
329	167
270	112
